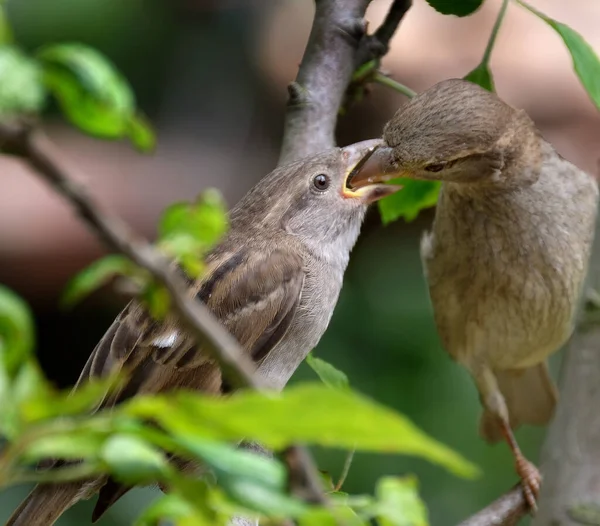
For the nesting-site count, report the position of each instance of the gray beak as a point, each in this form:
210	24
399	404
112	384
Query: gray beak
365	180
374	168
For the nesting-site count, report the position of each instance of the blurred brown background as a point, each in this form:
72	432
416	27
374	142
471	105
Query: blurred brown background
211	75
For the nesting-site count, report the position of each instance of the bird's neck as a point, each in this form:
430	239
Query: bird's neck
334	248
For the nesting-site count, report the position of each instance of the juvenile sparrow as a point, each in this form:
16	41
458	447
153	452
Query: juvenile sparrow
273	282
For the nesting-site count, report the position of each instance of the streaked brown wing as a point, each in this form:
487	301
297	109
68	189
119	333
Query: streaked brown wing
254	295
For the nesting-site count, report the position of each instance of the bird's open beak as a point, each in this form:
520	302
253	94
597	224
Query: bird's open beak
367	186
375	168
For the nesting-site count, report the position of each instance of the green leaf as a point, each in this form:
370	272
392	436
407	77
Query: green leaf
398	502
332	517
187	231
96	275
28	384
585	60
173	508
314	414
93	95
9	420
483	76
69	446
48	404
326	480
187	251
228	461
141	133
328	374
254	481
209	505
455	7
21	88
204	220
157	300
133	460
16	331
261	498
408	202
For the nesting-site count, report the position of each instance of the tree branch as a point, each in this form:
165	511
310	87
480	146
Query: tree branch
390	25
377	45
570	460
337	45
31	146
325	71
504	511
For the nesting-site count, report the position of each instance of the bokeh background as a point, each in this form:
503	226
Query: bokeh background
211	74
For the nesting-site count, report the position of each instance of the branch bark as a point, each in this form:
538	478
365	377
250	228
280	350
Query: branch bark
504	511
325	71
570	465
337	45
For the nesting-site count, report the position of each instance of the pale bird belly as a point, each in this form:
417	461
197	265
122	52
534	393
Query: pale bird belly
310	322
505	333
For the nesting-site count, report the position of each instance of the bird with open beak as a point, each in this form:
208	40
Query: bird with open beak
273	282
508	252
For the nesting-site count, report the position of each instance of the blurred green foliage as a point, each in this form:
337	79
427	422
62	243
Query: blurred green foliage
406	204
328	374
91	92
41	424
37	422
188	231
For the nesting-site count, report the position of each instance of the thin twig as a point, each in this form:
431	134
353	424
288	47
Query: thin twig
34	148
377	45
494	34
504	511
386	31
345	470
302	483
393	84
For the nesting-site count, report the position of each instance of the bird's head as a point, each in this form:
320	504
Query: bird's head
455	131
315	198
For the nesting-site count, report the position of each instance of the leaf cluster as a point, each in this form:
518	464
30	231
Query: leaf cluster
38	423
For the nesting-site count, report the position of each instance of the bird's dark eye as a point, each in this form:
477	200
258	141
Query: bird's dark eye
436	167
321	182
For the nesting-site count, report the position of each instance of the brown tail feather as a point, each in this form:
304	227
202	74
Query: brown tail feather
530	396
45	504
110	493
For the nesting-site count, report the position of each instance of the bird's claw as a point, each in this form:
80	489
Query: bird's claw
530	480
